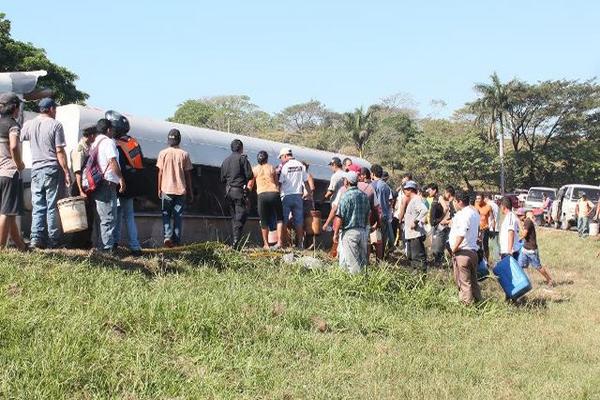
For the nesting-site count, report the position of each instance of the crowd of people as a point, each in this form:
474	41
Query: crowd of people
367	216
106	169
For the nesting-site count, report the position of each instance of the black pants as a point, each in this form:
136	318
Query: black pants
438	245
238	211
269	208
485	241
416	253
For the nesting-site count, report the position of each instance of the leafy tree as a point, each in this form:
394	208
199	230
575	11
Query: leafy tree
21	56
360	125
224	113
194	112
389	142
303	117
490	110
450	153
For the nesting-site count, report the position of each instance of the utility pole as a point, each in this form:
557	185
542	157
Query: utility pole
501	147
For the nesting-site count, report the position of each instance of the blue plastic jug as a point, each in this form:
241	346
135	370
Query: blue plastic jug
512	278
482	270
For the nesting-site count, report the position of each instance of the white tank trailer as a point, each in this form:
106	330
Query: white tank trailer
208	217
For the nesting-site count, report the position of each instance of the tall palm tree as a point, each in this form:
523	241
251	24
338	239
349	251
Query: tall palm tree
491	106
361	124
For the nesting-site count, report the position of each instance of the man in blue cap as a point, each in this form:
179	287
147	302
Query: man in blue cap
49	172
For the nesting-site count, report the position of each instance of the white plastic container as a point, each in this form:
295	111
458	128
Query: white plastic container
72	214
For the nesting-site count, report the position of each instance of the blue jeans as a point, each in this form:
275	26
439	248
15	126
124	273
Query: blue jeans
583	226
125	214
172	207
293	203
46	183
105	217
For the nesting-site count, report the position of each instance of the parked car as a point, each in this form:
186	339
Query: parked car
535	196
563	208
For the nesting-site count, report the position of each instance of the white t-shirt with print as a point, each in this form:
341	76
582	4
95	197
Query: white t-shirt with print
107	149
510	223
466	224
292	177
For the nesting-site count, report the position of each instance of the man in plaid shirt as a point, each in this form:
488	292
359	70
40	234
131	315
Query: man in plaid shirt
353	221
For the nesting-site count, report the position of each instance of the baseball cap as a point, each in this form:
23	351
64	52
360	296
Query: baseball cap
354	168
9	98
351	177
583	194
335	161
46	103
286	151
174	137
410	185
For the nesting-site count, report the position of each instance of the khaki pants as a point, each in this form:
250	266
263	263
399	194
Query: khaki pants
465	275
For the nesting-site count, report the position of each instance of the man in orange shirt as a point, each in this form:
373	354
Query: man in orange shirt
486	222
174	184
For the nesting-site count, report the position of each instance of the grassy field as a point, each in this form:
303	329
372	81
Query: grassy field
208	323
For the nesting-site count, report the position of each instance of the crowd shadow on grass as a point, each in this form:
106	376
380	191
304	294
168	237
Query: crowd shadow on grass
150	267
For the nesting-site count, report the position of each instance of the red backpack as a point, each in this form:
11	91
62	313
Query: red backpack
92	174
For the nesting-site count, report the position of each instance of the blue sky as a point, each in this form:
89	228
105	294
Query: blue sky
145	58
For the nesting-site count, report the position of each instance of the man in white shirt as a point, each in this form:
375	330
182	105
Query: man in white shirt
463	245
337	179
509	230
292	179
105	195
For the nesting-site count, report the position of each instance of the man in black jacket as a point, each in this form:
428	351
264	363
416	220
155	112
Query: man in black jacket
235	174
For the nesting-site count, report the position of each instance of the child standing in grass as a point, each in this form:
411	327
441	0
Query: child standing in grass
529	254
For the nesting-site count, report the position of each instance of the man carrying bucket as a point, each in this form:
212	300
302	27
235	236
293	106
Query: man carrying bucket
79	155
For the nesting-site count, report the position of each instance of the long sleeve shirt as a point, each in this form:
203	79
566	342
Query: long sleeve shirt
416	213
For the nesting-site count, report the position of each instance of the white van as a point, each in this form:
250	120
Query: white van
535	196
563	208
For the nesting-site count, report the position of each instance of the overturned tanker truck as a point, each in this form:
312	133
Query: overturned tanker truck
207	218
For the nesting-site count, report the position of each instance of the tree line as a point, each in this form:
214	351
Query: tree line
550	129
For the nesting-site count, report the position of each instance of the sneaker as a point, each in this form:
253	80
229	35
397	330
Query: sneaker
36	246
168	243
136	253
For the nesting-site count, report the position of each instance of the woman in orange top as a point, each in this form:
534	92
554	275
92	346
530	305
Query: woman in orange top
269	201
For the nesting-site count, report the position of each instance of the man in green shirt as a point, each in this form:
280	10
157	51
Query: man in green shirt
353	222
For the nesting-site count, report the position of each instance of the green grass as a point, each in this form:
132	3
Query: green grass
208	323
